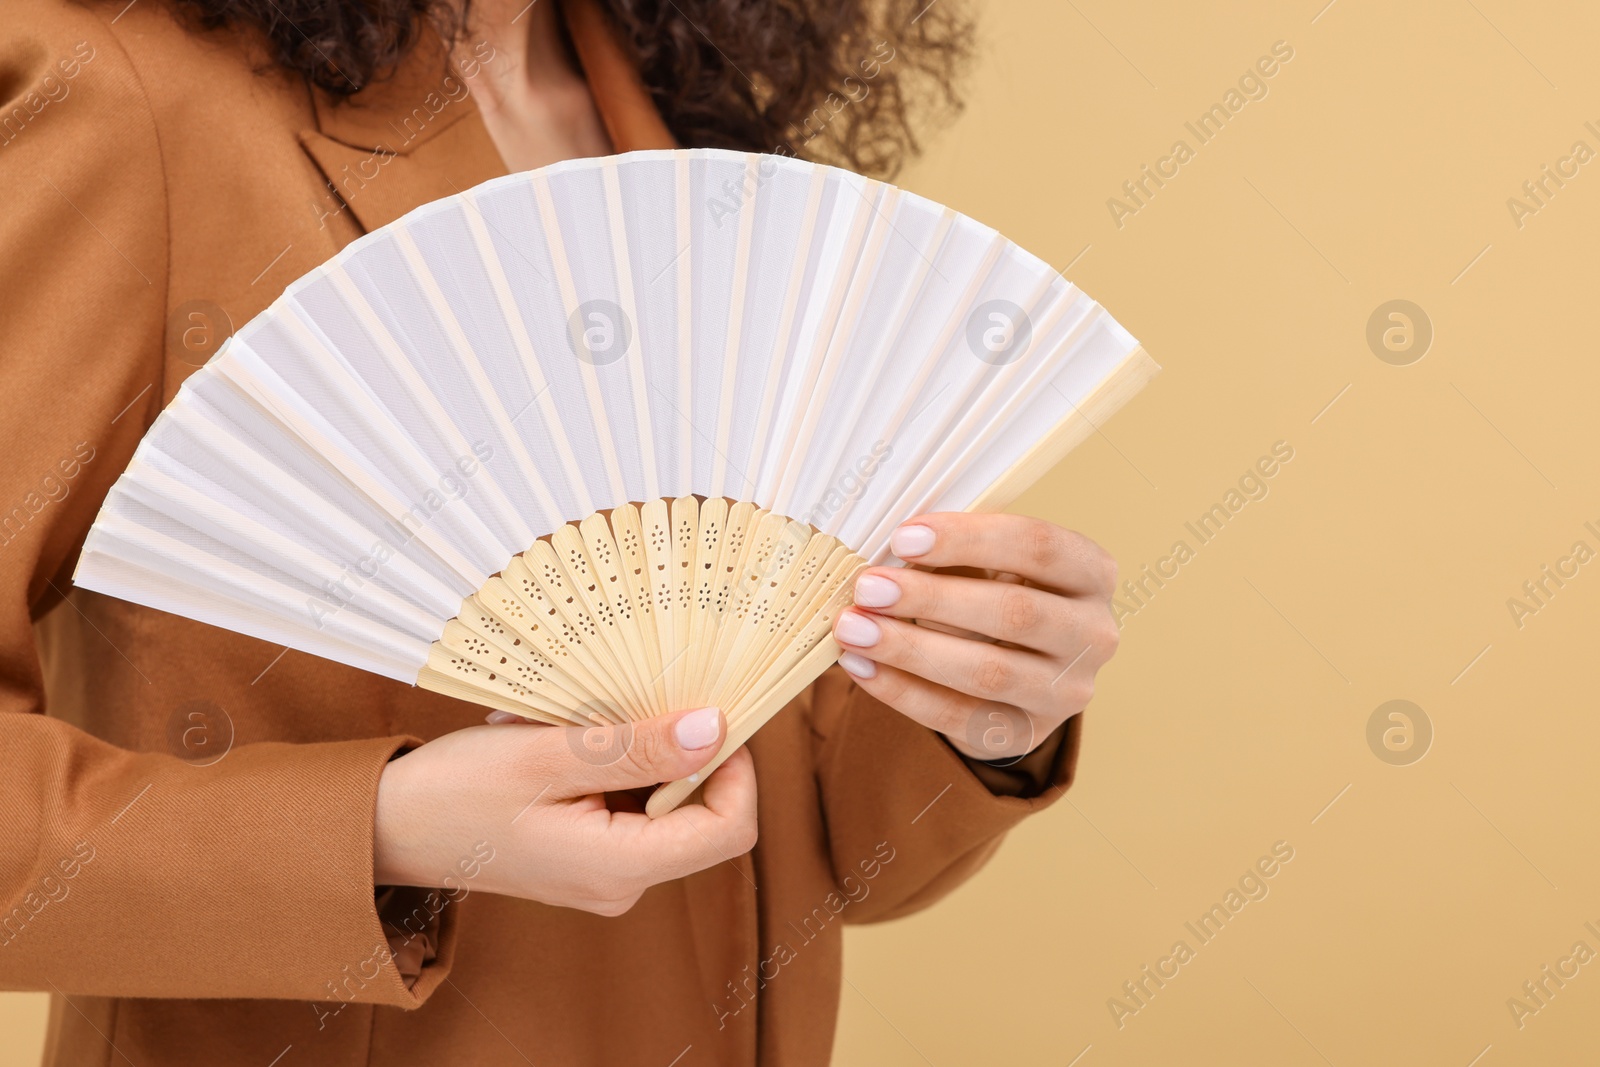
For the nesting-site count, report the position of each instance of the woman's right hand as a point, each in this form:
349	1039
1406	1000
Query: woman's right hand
535	796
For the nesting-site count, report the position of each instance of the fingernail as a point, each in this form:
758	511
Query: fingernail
856	629
909	541
858	666
697	729
500	718
876	591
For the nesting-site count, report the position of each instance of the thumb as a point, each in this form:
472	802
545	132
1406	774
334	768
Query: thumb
601	759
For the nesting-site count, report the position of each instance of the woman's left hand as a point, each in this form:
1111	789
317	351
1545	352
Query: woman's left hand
1008	635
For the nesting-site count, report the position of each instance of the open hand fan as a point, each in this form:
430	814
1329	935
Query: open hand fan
608	439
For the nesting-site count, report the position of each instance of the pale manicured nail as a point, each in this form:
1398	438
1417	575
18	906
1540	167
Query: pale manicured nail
856	629
500	718
909	541
697	729
859	666
875	591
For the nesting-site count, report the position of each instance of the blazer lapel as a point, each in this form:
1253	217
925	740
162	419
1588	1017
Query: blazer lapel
619	92
417	136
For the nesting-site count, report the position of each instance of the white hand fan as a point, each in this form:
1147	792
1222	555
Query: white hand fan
608	439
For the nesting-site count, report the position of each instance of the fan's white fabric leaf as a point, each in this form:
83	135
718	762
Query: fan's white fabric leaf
411	415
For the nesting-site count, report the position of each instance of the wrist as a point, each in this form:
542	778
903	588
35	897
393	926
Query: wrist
394	861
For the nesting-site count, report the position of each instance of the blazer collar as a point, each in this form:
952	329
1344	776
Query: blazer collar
417	135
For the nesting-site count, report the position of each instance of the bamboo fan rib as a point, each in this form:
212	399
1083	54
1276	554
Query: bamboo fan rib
609	439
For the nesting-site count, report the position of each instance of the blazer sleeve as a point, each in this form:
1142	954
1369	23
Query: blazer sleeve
125	873
903	807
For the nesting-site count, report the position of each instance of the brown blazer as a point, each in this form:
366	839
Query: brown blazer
187	854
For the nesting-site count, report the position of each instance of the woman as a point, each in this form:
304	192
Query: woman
220	852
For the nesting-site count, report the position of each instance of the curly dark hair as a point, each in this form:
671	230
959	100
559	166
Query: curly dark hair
852	82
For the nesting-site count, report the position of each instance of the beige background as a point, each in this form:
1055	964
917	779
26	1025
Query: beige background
1378	567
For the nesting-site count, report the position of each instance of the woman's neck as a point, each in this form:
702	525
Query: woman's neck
530	92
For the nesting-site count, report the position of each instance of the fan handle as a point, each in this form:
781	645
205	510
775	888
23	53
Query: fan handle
802	674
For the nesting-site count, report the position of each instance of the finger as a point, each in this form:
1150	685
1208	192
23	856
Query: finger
604	759
1005	611
731	789
692	837
1039	551
982	729
976	668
